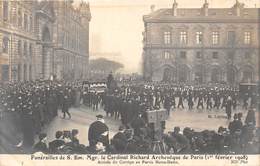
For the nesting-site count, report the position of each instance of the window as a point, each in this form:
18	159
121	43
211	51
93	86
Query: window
5	72
31	23
5	45
231	37
183	54
5	10
199	37
167	37
215	55
183	37
14	14
19	48
166	55
198	55
30	50
215	38
25	49
20	17
247	37
25	22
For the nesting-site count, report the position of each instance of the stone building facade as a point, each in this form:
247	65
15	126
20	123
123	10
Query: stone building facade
202	45
33	42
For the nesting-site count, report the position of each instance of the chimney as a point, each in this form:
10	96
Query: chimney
152	8
238	7
174	8
206	8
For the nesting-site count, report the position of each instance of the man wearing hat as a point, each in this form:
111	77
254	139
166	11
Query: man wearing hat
41	146
120	140
98	130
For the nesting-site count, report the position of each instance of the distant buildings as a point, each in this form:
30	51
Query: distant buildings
43	39
202	45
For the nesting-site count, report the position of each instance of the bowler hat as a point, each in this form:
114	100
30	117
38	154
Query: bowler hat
99	116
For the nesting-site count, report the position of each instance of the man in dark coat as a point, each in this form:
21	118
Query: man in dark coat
95	101
167	104
200	102
120	140
137	124
98	130
190	101
55	145
180	101
228	107
65	106
235	125
41	146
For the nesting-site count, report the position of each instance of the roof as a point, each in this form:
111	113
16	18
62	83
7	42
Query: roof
197	13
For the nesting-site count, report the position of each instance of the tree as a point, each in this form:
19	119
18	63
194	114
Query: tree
106	65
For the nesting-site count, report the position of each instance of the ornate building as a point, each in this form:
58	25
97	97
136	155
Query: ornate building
43	39
202	45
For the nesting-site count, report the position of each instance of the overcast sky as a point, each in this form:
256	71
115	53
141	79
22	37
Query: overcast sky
117	25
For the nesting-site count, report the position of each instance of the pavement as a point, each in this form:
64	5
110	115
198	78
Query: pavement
83	116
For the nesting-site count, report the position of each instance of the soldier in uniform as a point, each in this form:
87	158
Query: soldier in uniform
95	101
65	106
190	101
167	103
181	101
217	101
209	101
229	107
200	102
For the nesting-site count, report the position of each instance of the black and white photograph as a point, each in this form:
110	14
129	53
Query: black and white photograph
105	77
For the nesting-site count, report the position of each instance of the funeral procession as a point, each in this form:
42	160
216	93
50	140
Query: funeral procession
89	77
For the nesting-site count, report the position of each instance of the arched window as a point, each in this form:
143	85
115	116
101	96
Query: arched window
215	75
5	45
199	74
231	75
247	75
183	73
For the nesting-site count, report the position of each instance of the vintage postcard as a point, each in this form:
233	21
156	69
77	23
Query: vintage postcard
129	82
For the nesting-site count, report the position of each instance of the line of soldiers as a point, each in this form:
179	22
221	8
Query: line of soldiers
91	99
27	107
129	101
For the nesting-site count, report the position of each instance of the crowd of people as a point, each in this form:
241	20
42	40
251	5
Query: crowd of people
29	106
238	138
